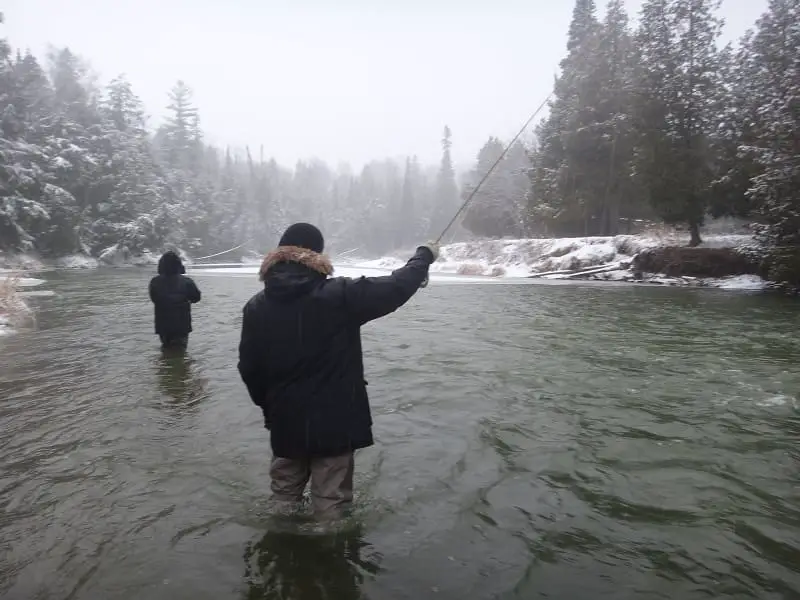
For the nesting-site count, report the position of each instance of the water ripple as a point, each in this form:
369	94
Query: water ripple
532	442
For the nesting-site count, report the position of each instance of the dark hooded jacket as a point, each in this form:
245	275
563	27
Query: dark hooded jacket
173	293
300	350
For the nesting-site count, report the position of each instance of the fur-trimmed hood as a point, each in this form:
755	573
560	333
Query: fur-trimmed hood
293	254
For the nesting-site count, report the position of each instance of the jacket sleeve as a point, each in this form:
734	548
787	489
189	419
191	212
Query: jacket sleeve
369	298
151	290
251	359
192	291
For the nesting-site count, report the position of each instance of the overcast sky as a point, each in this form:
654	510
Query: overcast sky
342	80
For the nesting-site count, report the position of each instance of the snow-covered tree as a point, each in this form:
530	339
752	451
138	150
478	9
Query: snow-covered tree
445	199
497	210
677	86
581	166
180	137
657	122
771	69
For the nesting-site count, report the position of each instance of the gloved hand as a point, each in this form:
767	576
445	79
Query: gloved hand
434	248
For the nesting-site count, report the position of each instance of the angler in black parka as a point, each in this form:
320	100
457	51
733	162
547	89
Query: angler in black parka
300	358
172	294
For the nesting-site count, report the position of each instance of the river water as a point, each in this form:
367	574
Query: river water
533	441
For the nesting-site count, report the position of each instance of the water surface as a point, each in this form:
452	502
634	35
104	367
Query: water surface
533	441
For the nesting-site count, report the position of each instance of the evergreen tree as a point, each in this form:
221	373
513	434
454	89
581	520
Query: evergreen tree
180	136
771	66
32	95
129	190
445	201
311	186
74	96
582	26
678	84
566	165
69	140
123	108
613	133
735	129
23	189
498	207
409	223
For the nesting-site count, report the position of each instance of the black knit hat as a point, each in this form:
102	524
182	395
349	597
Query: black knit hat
303	235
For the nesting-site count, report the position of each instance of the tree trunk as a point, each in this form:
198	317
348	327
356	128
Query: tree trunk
611	201
614	217
694	231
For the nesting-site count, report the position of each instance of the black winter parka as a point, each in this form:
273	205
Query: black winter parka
300	350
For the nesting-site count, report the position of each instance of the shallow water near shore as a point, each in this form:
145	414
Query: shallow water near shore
533	441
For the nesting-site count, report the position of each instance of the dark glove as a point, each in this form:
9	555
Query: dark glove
433	247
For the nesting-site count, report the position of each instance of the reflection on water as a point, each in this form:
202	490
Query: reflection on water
177	378
287	564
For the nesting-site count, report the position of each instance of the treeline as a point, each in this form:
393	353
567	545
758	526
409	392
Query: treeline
81	173
653	123
661	122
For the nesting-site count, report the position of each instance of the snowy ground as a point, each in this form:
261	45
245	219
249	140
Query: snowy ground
521	258
109	258
13	309
77	261
490	261
19	263
741	282
560	258
528	261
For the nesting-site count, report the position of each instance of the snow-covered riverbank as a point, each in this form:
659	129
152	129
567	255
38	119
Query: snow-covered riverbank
31	263
590	258
14	312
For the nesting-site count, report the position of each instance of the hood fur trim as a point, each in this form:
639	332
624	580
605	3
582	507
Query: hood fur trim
308	258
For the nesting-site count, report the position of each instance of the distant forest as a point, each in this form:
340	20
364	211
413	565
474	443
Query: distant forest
657	123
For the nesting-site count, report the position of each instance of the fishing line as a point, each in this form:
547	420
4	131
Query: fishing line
346	252
220	253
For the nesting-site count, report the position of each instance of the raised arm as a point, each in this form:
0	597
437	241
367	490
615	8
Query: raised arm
369	298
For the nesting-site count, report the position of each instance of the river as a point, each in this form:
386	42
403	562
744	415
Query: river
572	441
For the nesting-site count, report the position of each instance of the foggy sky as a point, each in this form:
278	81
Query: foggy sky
342	80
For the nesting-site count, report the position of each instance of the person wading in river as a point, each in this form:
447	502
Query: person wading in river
300	358
173	293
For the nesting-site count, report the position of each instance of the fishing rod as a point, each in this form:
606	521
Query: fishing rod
474	191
